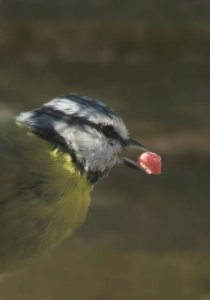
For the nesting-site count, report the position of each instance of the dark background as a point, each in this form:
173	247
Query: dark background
146	237
148	11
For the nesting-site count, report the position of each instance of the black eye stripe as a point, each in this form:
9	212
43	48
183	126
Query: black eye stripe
107	130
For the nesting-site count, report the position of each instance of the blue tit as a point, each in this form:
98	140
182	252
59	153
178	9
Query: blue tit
47	175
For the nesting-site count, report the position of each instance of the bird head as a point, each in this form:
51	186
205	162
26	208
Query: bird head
85	128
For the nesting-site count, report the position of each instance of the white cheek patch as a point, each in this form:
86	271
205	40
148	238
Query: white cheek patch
93	150
67	133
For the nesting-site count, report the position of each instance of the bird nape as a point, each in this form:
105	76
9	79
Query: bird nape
47	175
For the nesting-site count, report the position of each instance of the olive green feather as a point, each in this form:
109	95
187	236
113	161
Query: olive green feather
43	197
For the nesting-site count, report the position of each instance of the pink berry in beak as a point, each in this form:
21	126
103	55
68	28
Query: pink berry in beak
150	162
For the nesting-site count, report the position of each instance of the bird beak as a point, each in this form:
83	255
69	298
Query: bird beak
132	145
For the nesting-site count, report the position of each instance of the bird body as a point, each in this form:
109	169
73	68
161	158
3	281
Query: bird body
41	209
47	175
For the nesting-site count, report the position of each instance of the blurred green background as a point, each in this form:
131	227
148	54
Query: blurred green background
145	237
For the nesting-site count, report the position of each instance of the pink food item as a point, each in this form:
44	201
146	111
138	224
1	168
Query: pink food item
150	162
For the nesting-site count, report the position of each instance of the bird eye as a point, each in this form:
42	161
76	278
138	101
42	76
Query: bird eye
109	131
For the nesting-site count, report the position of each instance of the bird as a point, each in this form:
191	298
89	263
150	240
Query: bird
50	164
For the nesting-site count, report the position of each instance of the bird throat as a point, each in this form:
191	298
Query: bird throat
66	160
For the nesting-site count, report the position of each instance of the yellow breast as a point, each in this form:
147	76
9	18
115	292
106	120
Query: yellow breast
70	209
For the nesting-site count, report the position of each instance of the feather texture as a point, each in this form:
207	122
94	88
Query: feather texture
43	197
